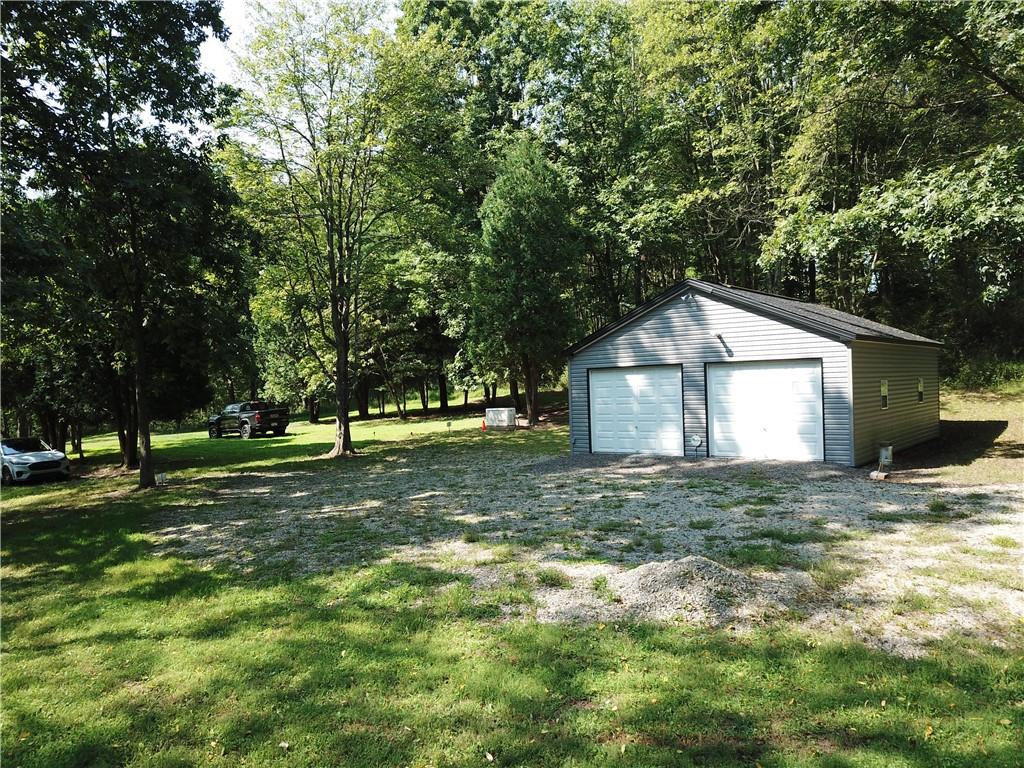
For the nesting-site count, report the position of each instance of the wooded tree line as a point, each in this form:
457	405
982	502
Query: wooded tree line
450	199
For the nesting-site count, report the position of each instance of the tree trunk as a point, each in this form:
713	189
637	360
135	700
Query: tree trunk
342	390
24	423
121	422
363	397
638	282
147	477
399	398
487	393
531	382
313	408
465	399
442	388
60	435
390	390
132	433
231	390
127	431
424	395
513	387
44	426
76	439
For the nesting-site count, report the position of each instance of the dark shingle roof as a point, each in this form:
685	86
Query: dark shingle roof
813	317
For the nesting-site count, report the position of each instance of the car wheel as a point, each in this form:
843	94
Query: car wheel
245	431
214	432
7	478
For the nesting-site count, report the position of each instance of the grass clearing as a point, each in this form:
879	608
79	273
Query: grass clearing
935	535
915	602
552	577
770	556
785	536
981	442
601	588
122	650
942	514
701	523
613	526
830	575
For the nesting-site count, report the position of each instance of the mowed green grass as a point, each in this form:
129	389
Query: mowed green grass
982	438
115	656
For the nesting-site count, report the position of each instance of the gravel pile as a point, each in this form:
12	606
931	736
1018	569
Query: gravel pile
695	590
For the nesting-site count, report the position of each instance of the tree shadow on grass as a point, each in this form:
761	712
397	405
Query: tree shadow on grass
366	662
961	443
343	675
115	657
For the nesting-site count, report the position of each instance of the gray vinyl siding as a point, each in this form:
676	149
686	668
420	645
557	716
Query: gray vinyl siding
906	422
683	333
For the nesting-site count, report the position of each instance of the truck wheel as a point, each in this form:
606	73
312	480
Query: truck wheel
214	431
278	433
7	478
245	431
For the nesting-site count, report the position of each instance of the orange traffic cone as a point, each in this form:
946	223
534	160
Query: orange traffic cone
483	425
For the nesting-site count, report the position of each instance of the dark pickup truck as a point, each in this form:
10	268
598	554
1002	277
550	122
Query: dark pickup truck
249	419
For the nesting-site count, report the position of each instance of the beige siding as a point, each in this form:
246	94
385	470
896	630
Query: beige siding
683	333
906	422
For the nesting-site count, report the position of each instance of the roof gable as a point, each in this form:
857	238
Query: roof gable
818	319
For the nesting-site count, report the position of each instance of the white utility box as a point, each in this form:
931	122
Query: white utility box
500	418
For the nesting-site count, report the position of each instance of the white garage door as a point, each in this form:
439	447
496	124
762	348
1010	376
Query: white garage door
766	410
637	410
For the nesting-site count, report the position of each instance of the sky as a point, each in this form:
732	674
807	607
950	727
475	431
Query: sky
218	57
238	16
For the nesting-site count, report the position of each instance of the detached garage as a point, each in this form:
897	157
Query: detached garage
712	370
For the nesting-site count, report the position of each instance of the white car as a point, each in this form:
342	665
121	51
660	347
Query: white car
28	457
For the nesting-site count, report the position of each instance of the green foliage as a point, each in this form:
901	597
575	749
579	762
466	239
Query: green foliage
866	156
522	317
452	201
986	373
553	577
103	106
771	556
350	173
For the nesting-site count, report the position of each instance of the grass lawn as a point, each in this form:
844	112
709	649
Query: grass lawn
982	438
117	651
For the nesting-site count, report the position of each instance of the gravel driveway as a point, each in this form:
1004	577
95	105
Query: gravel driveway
712	543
